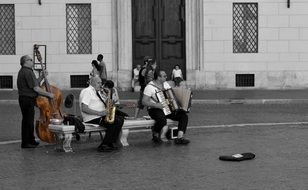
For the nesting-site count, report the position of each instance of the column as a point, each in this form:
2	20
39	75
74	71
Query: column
122	43
194	40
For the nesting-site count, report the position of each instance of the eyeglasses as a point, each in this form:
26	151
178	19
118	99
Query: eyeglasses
165	76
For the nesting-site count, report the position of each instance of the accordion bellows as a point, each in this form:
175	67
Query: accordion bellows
183	96
175	99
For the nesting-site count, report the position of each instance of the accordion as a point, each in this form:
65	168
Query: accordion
175	99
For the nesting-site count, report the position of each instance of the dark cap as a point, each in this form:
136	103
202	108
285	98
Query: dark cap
147	58
109	84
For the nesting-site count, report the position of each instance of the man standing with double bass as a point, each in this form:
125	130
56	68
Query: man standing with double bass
28	90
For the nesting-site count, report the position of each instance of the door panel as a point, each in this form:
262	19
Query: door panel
142	48
172	36
144	19
144	30
171	19
159	31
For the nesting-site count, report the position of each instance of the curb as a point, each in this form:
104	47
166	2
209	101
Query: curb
292	124
215	101
252	101
240	101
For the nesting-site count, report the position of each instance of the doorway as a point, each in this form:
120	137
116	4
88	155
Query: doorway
158	30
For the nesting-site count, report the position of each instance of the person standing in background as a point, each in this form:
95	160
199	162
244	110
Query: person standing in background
135	76
142	82
96	69
103	69
149	73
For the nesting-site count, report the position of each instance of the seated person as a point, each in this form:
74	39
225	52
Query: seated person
177	75
93	103
155	110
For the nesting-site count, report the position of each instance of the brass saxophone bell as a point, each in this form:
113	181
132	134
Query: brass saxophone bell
110	108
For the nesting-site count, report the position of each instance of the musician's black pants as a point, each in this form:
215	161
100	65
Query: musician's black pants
26	105
112	130
161	119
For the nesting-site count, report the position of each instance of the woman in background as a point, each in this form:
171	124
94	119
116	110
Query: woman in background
95	69
177	75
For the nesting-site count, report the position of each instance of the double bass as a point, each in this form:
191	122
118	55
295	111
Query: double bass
49	108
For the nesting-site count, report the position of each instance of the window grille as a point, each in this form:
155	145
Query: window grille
7	29
78	29
79	81
245	80
6	82
245	28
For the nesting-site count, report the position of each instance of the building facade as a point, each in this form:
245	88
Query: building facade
227	44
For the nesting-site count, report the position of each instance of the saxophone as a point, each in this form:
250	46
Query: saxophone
110	108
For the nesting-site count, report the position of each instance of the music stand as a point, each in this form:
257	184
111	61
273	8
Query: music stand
37	64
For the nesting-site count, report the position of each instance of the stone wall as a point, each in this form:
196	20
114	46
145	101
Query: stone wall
46	24
281	61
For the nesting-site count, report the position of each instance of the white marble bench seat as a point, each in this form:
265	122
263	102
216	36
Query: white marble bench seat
64	133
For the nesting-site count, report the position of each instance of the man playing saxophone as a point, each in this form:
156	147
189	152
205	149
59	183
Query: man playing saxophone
95	106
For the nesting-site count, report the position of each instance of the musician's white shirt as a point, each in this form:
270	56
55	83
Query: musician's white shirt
150	90
89	97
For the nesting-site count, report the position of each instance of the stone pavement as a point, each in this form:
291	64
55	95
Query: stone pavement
280	162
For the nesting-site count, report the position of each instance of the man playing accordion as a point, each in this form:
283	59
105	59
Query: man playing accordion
156	110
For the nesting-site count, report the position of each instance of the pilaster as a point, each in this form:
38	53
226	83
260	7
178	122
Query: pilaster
194	41
122	43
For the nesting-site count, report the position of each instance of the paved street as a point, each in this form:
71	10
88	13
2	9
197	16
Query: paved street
280	163
245	62
201	115
276	133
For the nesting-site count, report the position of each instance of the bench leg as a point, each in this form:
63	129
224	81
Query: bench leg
123	137
64	142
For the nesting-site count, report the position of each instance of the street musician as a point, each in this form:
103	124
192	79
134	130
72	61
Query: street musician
157	110
94	108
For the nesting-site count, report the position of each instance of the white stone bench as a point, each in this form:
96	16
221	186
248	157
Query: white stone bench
64	133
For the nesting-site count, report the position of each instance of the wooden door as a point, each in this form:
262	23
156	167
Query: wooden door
159	31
